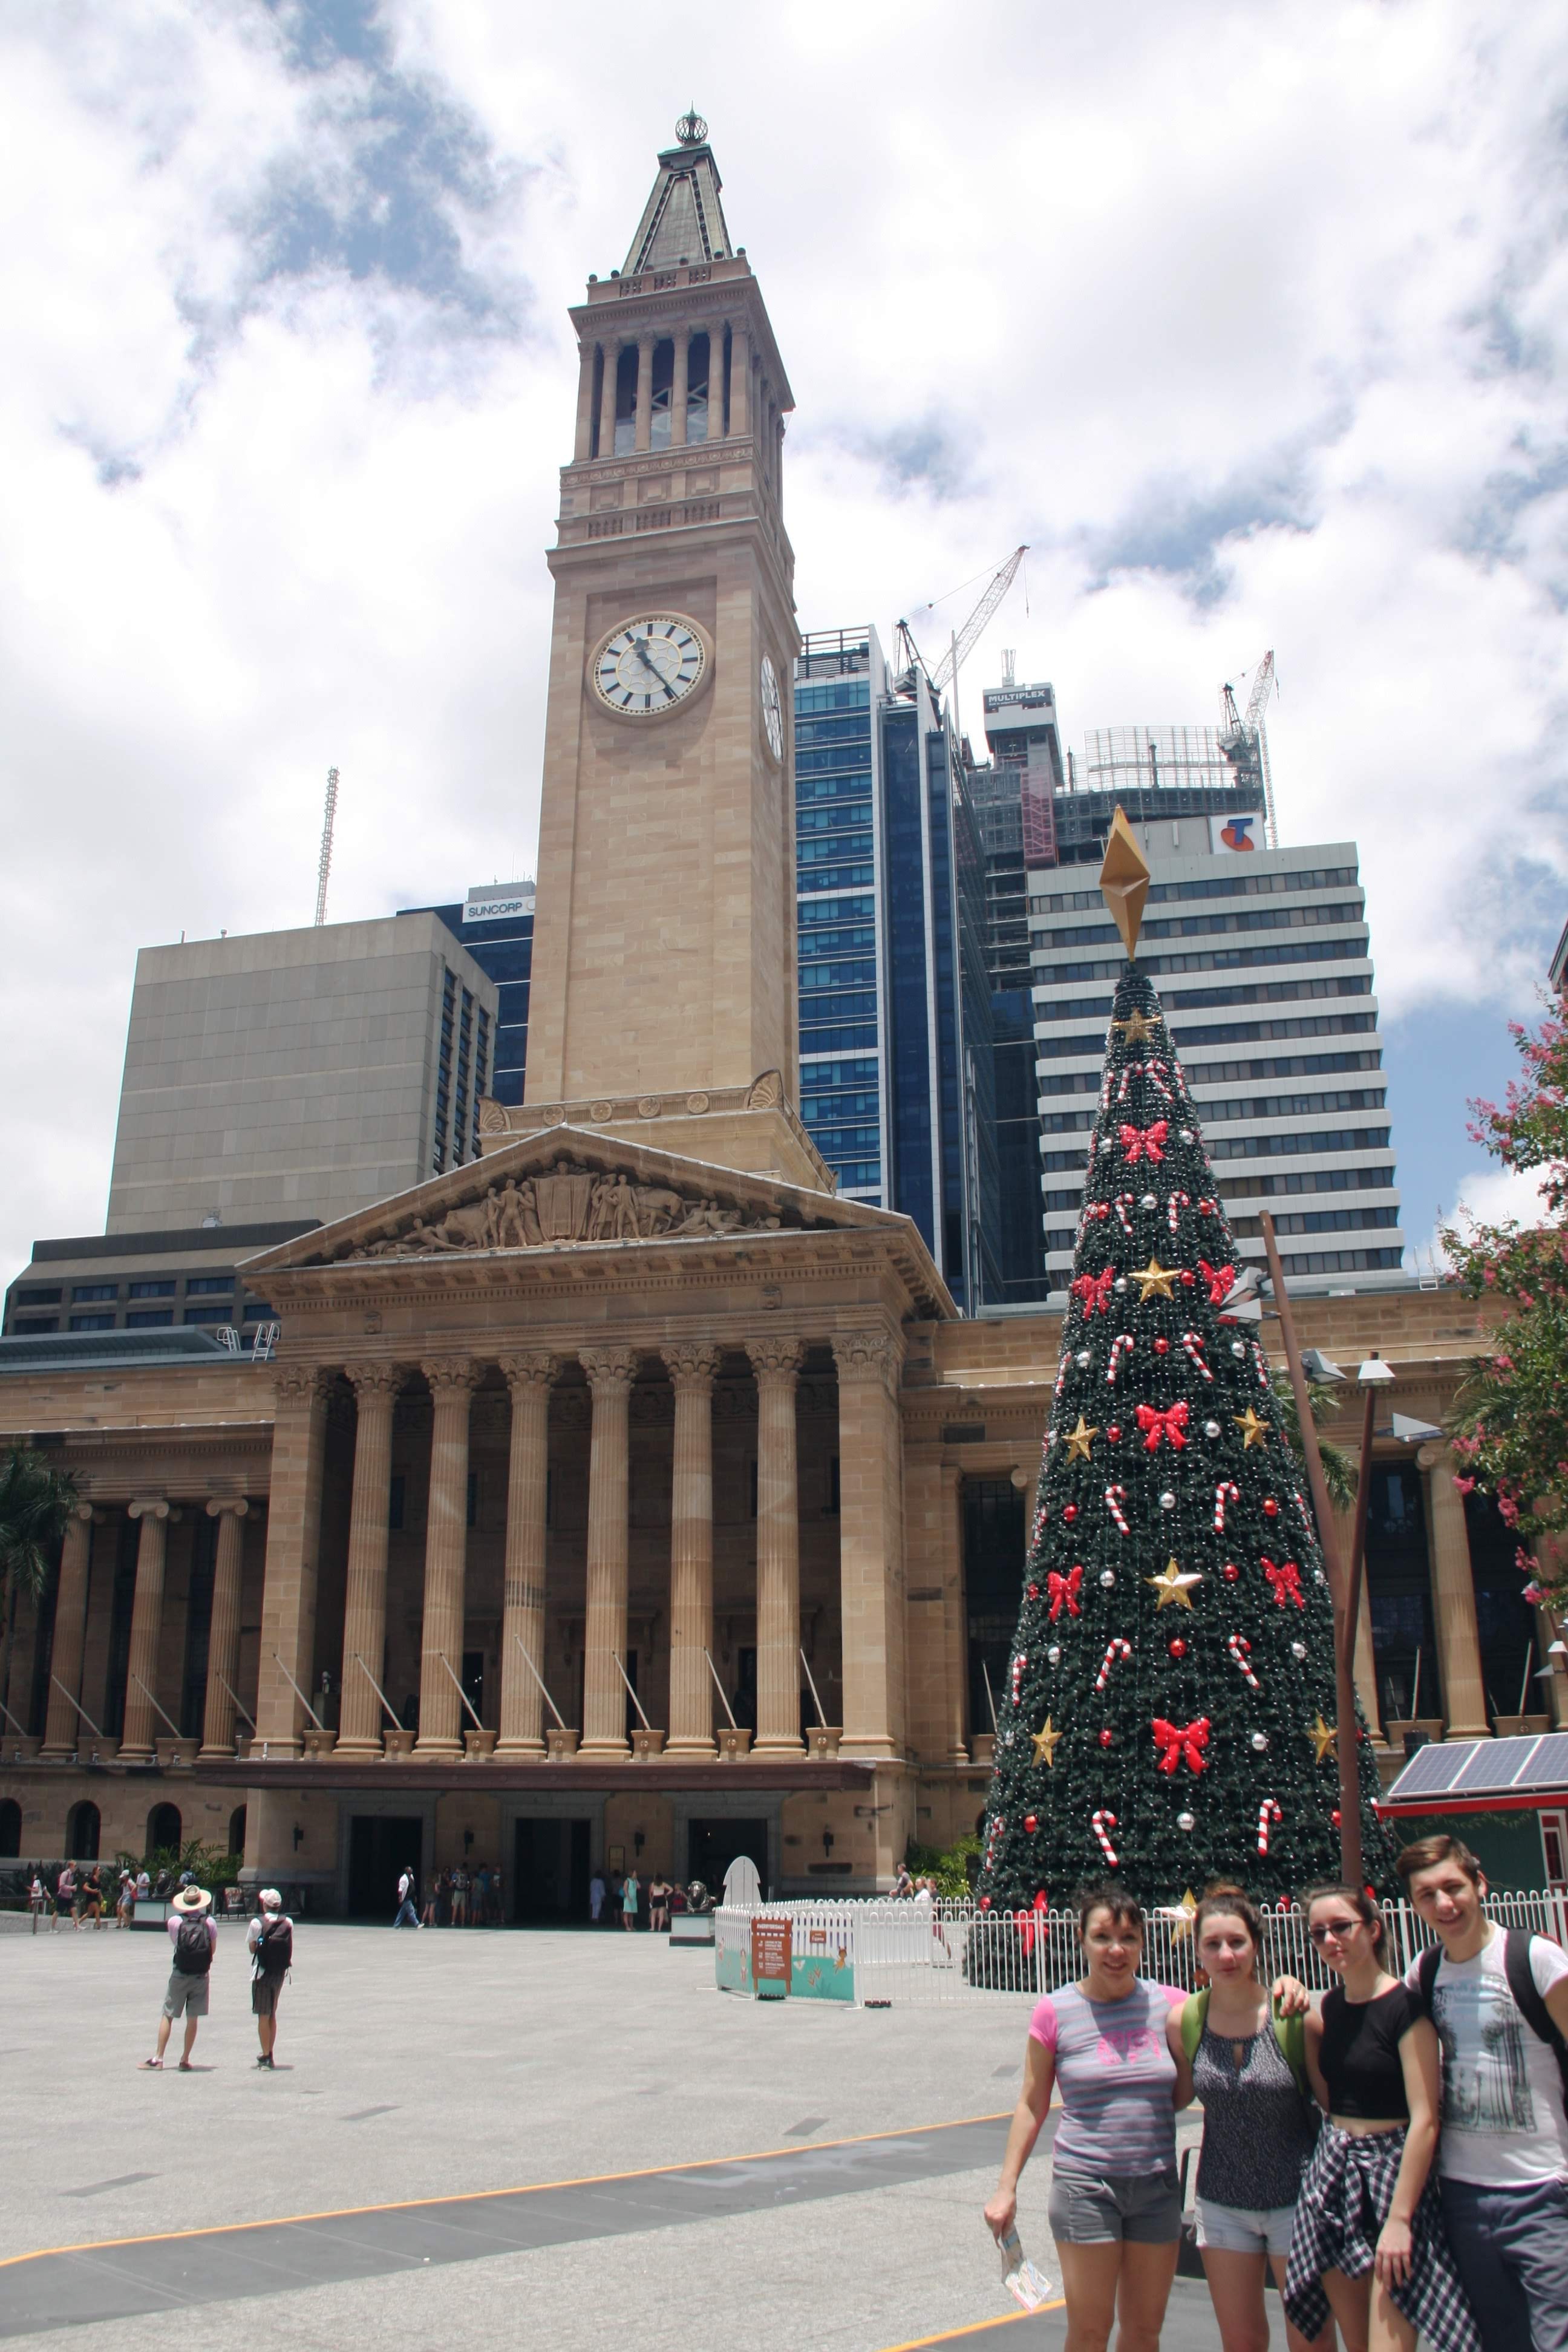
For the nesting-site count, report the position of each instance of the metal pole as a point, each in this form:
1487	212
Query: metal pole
816	1696
1358	1538
83	1711
990	1694
297	1693
151	1701
458	1686
630	1692
539	1678
722	1694
377	1689
1351	1863
239	1703
5	1711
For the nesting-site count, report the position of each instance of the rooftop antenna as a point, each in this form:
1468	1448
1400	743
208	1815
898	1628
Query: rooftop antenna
329	819
1009	657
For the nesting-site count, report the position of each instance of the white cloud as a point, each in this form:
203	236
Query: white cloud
1251	324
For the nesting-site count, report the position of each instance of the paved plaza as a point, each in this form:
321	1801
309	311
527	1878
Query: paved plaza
600	2075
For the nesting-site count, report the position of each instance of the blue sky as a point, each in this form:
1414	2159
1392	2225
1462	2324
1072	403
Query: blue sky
1249	323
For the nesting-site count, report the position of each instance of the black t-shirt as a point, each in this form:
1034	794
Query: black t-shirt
1359	2053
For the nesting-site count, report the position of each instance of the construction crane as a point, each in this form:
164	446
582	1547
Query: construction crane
965	639
1245	746
325	866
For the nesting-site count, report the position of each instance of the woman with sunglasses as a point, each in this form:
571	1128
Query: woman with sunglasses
1367	2241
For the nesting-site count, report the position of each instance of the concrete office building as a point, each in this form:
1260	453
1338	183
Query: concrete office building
1279	1037
495	923
146	1281
297	1074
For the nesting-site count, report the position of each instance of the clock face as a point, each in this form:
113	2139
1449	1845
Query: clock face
772	708
649	666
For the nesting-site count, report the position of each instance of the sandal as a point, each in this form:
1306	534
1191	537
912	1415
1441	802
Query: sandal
152	2065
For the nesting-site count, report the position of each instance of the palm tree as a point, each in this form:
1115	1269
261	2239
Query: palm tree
1340	1470
36	1502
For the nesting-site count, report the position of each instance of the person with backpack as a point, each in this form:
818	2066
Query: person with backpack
271	1938
1248	2063
193	1931
1499	2000
65	1895
407	1916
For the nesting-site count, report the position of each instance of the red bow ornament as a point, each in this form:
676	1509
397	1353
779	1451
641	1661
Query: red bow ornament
1221	1280
1064	1591
1183	1743
1094	1290
1285	1582
1033	1920
1144	1142
1168	1426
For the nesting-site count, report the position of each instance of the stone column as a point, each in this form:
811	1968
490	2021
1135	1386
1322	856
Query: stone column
529	1378
776	1363
679	389
869	1538
717	378
612	352
293	1554
442	1714
141	1720
691	1369
741	383
62	1724
1453	1599
610	1371
956	1612
375	1388
223	1639
644	391
583	444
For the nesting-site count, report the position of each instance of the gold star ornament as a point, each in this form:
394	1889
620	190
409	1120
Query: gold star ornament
1322	1737
1175	1585
1254	1432
1156	1280
1124	880
1078	1440
1045	1740
1137	1029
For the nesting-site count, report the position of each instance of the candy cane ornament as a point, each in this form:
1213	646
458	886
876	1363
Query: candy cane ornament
1100	1823
1114	1498
1122	1345
1193	1348
1114	1649
1174	1204
1240	1651
1019	1663
1124	1202
1267	1812
1227	1491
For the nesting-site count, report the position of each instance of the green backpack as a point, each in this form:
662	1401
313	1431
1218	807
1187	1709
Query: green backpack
1290	2032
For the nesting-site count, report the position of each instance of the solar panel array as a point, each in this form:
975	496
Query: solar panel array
1472	1767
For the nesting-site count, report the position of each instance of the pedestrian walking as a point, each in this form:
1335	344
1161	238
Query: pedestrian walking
38	1898
659	1905
193	1931
64	1896
1368	2241
596	1892
903	1884
270	1938
91	1906
1499	2002
125	1902
630	1895
407	1916
1248	2063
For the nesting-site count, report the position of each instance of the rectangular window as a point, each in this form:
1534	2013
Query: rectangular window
145	1318
82	1291
208	1314
209	1285
92	1322
151	1290
26	1323
31	1295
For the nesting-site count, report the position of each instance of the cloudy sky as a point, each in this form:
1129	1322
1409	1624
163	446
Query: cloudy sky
1250	322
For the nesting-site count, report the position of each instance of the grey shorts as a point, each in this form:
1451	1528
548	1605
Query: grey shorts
264	1992
1097	2209
1245	2229
186	1996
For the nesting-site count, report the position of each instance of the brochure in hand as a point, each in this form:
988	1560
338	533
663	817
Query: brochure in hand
1028	2287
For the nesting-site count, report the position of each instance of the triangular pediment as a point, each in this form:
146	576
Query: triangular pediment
571	1189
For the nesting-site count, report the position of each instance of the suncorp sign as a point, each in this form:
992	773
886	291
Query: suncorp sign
495	905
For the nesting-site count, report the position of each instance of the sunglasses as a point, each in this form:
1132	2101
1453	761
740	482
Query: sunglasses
1338	1929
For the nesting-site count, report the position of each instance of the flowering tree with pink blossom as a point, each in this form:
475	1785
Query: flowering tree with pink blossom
1511	1424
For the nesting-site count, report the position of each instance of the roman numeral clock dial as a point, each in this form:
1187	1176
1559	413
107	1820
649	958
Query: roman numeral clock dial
649	666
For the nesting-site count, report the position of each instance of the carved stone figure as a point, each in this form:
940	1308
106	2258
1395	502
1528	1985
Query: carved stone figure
566	1204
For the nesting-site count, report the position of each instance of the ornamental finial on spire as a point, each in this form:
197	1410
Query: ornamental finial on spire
692	130
1124	880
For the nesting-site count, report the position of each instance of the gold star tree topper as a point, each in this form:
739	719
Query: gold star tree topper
1124	881
1174	1584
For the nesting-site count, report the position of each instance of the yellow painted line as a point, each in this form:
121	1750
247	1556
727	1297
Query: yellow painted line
981	2327
483	2196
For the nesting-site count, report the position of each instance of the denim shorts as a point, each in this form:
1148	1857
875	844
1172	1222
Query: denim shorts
1097	2209
1243	2228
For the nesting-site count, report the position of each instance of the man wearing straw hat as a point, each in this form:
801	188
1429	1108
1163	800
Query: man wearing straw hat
193	1931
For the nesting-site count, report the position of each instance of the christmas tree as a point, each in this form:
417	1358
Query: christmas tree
1169	1713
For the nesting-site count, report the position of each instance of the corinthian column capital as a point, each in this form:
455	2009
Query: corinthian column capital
451	1375
376	1379
297	1383
610	1370
777	1359
868	1356
533	1368
691	1364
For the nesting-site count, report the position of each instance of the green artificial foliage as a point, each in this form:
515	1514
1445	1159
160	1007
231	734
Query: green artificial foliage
1174	1648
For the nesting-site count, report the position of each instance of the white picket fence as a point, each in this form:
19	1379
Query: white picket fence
939	1953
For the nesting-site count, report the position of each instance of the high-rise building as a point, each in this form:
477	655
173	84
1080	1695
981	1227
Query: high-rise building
1278	1028
896	1078
495	923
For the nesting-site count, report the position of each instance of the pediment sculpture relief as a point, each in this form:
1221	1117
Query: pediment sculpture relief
567	1204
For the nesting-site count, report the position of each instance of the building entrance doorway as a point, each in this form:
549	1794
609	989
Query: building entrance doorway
713	1845
550	1871
381	1847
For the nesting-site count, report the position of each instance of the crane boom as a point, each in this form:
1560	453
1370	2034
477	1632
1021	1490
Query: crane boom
325	865
964	645
1245	746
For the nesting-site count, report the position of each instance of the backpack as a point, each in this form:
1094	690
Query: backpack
1290	2032
274	1947
1520	1980
193	1946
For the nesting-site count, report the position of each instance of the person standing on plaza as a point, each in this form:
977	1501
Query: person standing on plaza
903	1884
432	1894
193	1931
270	1939
1368	2241
596	1891
407	1916
659	1905
37	1899
143	1883
630	1893
498	1906
461	1895
1499	2002
480	1915
123	1908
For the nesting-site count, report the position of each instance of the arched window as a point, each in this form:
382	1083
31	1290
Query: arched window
163	1830
82	1833
10	1828
237	1831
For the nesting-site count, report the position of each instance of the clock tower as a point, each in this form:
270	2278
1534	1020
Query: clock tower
663	957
